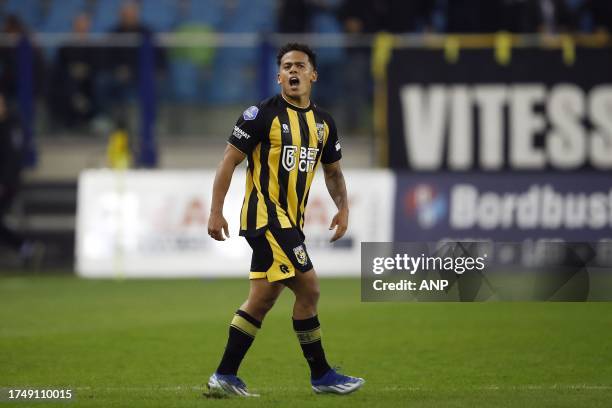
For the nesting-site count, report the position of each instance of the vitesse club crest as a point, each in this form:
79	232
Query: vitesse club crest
320	132
300	254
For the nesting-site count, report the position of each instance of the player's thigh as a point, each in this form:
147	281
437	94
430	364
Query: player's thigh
264	293
305	285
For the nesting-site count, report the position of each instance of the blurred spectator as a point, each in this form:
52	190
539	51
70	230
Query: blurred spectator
11	158
358	17
549	16
601	12
118	152
9	63
369	17
362	16
512	16
517	16
8	57
394	16
400	16
72	95
474	16
294	16
123	62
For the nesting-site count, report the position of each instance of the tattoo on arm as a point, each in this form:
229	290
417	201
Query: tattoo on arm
334	180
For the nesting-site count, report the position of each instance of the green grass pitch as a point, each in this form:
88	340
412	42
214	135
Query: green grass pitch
150	343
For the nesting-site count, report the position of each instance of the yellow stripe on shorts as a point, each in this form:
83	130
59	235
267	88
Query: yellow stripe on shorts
280	258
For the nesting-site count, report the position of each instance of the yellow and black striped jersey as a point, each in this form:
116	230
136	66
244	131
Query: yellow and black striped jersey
284	145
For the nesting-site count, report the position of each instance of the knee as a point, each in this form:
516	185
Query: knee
261	305
267	302
309	297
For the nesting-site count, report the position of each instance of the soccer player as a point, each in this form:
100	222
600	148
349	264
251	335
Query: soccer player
284	137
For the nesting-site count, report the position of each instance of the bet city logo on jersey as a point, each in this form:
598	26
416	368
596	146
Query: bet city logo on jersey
306	160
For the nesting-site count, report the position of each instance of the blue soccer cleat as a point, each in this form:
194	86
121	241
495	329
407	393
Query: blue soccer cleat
221	385
336	383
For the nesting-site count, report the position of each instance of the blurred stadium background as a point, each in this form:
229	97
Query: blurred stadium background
480	119
157	84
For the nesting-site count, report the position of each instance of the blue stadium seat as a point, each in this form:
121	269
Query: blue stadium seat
160	15
326	23
29	11
329	59
184	77
208	12
249	16
234	87
60	16
105	15
234	71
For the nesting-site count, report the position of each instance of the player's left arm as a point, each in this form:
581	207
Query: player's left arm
334	180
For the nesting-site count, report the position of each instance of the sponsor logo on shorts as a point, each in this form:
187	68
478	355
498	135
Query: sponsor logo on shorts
239	133
285	128
300	254
338	147
284	268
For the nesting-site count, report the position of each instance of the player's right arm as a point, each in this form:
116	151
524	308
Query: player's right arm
245	136
217	224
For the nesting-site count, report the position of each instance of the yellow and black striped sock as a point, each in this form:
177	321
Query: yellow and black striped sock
241	335
309	335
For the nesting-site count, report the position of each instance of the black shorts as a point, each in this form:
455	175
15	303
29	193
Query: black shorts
278	253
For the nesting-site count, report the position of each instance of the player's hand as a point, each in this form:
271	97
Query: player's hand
217	225
340	222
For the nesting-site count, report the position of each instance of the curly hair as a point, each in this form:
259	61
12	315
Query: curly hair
297	47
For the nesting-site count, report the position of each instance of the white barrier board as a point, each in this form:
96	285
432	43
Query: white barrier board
146	223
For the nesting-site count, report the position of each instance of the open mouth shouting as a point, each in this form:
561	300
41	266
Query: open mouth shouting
294	82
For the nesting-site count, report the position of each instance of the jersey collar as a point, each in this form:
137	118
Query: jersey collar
294	107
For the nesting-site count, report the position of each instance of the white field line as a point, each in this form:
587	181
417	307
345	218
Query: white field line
526	387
